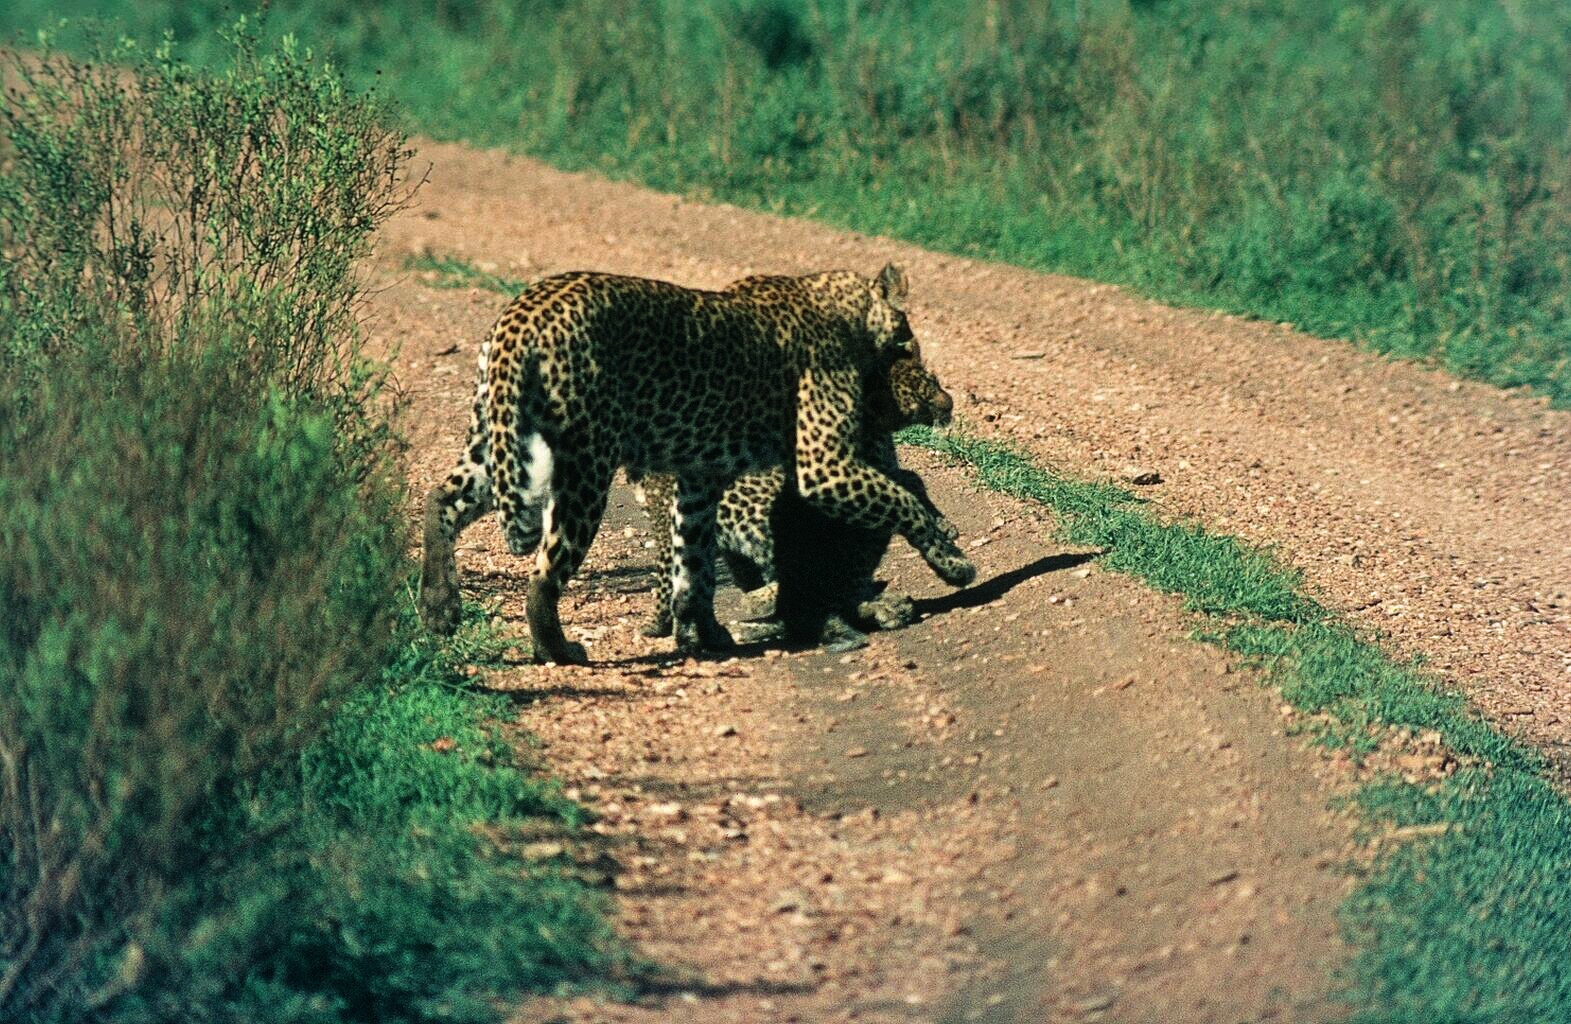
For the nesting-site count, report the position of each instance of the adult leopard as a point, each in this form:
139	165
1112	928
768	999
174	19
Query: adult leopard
585	372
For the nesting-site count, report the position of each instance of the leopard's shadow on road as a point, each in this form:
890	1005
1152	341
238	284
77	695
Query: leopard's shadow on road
639	579
991	590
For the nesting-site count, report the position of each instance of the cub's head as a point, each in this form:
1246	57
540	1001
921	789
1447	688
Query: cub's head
906	394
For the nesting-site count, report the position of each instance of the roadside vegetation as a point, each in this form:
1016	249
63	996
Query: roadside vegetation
236	783
1392	172
439	271
1464	915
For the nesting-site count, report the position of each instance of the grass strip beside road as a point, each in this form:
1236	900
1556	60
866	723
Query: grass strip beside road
439	270
421	813
1469	921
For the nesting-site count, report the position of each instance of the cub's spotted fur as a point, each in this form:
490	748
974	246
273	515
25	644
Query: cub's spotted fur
810	578
586	372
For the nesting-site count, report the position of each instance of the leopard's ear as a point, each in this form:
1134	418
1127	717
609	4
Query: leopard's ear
892	286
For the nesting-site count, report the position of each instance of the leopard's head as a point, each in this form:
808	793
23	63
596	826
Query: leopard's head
906	393
886	313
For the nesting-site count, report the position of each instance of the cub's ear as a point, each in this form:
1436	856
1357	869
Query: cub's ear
892	286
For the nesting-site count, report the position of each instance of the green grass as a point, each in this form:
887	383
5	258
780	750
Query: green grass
415	805
1471	926
1392	172
441	271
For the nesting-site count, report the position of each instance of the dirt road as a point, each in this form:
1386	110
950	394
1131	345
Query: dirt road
1041	802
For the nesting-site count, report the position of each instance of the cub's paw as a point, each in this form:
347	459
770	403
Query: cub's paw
889	611
705	634
658	625
767	631
567	653
839	636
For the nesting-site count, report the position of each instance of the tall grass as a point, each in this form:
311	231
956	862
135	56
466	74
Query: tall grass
1393	172
220	792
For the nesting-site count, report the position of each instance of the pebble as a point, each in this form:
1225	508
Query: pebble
1096	1003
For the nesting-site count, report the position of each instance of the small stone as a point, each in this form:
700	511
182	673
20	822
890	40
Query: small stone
543	850
1141	476
1028	354
787	901
1408	833
725	730
857	752
1096	1003
1223	877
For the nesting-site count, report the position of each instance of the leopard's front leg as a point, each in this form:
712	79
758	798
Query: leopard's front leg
831	476
862	496
844	487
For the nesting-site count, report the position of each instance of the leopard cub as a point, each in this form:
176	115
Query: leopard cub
809	578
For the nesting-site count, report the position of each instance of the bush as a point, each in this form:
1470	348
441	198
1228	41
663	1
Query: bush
190	582
140	193
220	796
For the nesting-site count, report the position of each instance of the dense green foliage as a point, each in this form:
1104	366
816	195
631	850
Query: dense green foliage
220	792
1391	171
1471	925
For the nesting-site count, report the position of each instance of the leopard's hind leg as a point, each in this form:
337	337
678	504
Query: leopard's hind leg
580	472
450	507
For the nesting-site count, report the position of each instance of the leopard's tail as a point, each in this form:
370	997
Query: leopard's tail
522	464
